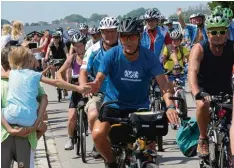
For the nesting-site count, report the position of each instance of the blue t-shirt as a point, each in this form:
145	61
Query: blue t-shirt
21	108
129	80
92	59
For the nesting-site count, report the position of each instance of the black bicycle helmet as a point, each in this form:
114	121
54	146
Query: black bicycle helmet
59	29
130	25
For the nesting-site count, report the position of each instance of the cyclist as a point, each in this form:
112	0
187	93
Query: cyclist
73	61
83	28
169	24
192	19
181	53
197	32
70	33
210	72
152	31
57	50
108	27
95	34
129	68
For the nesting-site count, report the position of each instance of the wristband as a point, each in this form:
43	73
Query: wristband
172	106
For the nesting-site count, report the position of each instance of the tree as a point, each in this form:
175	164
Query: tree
56	21
26	24
135	13
4	21
34	24
75	18
224	4
42	23
96	17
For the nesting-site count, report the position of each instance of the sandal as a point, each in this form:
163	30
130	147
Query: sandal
203	147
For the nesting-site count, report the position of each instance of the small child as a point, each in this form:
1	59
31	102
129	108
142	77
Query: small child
21	108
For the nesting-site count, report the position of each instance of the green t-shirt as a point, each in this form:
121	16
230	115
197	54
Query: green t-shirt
4	90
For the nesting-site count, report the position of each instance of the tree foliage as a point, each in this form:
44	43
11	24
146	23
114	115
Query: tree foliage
4	21
136	13
224	4
75	18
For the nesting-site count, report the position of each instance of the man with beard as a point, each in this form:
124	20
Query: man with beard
197	32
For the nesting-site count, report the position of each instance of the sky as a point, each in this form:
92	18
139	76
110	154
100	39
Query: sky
35	11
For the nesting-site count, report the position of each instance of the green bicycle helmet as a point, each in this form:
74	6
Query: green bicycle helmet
213	21
228	12
218	10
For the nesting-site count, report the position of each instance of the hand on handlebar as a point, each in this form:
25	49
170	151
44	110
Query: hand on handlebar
203	96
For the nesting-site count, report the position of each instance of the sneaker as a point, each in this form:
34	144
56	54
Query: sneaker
95	154
69	145
203	148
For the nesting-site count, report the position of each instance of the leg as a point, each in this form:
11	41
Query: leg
93	106
100	137
7	152
203	119
23	152
72	119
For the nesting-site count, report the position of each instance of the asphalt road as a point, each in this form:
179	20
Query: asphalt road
57	114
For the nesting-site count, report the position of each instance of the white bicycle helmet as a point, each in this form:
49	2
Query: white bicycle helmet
192	16
78	37
109	23
83	26
71	32
93	30
152	14
176	34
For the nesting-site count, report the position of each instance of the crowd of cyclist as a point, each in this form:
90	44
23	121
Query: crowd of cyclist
122	57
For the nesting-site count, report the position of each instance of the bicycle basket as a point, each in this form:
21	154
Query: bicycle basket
150	124
187	137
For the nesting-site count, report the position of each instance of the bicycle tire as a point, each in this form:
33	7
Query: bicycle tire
82	135
225	161
212	155
59	91
182	107
77	144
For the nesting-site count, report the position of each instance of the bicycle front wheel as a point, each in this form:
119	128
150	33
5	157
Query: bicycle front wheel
82	135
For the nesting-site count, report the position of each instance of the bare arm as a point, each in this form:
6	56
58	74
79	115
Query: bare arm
83	77
96	84
47	53
62	71
42	108
194	66
181	20
165	88
65	50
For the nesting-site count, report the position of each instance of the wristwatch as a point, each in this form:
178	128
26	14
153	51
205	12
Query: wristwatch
172	106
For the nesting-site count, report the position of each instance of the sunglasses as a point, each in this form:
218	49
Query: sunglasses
131	37
215	32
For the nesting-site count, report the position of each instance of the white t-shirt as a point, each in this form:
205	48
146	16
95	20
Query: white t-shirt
88	44
4	40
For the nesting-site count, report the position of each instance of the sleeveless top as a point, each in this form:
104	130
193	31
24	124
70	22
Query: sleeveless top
215	74
58	53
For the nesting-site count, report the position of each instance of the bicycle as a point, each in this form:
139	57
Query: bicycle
218	133
130	137
81	130
156	103
179	96
57	63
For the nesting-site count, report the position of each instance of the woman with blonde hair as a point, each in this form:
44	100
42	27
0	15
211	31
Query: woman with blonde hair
6	37
17	33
